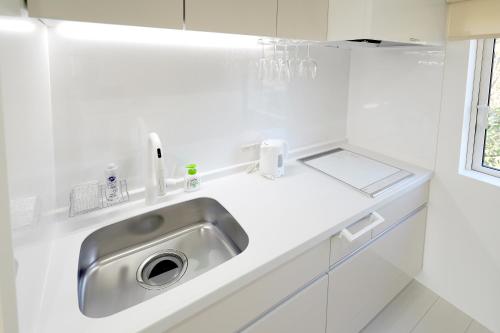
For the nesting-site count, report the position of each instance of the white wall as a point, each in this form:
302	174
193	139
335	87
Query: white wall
77	100
409	104
462	255
394	102
27	115
8	308
202	98
28	150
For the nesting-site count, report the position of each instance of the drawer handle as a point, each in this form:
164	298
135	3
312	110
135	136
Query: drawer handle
352	237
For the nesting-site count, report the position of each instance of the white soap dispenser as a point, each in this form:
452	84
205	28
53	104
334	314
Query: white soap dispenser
191	179
112	189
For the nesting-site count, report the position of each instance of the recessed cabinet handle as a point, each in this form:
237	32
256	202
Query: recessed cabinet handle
352	237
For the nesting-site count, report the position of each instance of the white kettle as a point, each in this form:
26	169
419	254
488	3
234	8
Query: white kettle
272	158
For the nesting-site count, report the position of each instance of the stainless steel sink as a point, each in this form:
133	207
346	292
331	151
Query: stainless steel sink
131	261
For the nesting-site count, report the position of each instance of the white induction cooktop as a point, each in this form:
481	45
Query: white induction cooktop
360	172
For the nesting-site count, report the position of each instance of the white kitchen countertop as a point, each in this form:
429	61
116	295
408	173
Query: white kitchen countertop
282	218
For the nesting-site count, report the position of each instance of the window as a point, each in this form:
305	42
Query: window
484	140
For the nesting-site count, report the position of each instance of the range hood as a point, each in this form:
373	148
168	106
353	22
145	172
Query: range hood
395	23
370	43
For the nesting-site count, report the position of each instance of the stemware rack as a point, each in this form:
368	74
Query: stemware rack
286	60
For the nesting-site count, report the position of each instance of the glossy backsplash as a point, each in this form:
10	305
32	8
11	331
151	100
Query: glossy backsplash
204	100
395	100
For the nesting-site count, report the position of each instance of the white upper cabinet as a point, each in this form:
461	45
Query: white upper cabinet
246	17
400	21
303	19
149	13
294	19
10	7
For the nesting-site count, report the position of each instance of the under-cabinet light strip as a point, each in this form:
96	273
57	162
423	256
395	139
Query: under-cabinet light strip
143	35
9	24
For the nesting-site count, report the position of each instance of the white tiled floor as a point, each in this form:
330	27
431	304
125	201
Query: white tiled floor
418	310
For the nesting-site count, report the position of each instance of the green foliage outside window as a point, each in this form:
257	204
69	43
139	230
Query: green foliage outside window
492	141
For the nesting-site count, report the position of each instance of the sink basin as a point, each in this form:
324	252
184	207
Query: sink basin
131	261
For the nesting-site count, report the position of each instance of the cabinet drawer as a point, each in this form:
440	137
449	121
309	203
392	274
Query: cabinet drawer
361	286
251	301
303	312
401	207
341	247
382	219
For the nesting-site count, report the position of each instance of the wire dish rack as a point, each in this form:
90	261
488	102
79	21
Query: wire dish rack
87	197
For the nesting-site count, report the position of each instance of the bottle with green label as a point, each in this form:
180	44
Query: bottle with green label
191	179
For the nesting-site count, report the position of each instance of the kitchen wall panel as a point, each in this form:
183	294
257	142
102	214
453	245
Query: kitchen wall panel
110	86
410	104
29	155
25	90
462	261
395	100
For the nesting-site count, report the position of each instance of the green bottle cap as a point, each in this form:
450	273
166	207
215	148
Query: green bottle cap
191	169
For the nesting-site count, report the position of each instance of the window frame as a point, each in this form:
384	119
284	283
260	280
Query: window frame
480	107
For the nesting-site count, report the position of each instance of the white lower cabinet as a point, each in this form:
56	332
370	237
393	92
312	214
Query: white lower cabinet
303	312
243	307
355	277
362	285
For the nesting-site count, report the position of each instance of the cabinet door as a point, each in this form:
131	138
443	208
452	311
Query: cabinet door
232	313
247	17
149	13
303	19
363	285
407	16
389	20
349	19
304	312
10	7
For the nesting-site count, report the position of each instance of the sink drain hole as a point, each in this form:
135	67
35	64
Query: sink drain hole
162	269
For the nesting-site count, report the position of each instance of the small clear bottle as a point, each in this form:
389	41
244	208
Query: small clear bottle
112	189
191	179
